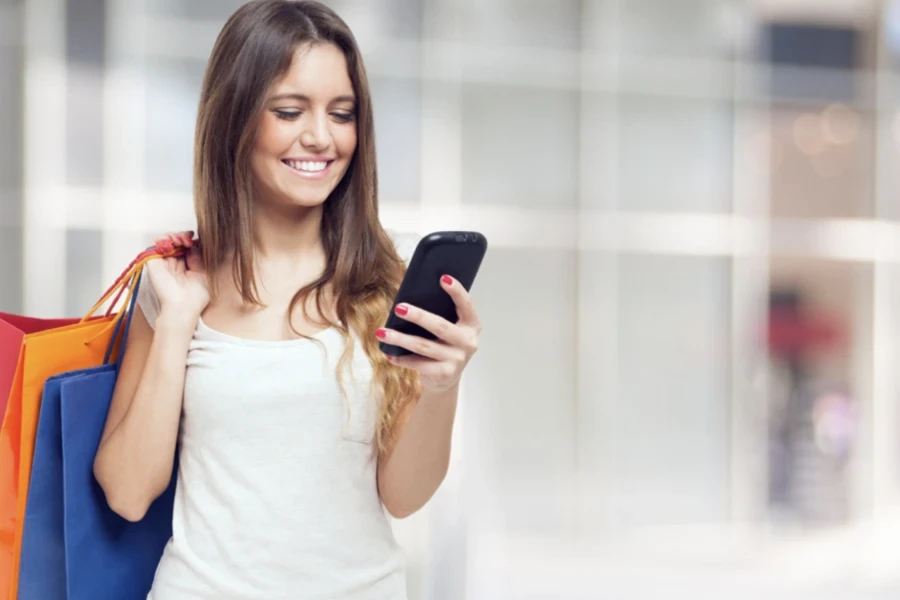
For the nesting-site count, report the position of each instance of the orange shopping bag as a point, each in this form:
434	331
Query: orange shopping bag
12	329
42	355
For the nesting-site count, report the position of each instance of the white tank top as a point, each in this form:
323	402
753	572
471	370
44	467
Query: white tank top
276	496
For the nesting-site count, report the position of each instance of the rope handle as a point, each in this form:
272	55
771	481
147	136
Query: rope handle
128	280
164	249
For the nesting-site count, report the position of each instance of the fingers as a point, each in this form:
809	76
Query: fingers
425	366
183	239
460	336
465	308
160	267
176	265
442	373
418	345
444	330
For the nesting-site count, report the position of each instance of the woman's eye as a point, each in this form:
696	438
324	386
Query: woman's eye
343	117
287	115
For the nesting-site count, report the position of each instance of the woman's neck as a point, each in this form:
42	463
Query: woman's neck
281	235
288	251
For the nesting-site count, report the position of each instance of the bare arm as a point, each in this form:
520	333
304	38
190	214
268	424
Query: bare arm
137	450
410	474
134	461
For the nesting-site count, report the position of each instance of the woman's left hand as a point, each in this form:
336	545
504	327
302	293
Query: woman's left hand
440	362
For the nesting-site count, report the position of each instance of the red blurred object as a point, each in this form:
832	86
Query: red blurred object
791	333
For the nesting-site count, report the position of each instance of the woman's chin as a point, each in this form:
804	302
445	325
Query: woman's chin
307	201
303	196
283	197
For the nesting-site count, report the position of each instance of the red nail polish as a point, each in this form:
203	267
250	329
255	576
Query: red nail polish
447	280
402	310
380	333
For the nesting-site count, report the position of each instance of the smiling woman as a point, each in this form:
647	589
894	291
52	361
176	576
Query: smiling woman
309	128
258	356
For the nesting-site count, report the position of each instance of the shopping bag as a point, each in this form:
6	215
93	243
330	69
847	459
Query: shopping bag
42	565
106	556
42	355
74	546
12	329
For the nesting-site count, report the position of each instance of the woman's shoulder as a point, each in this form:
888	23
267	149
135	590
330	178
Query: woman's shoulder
147	299
405	243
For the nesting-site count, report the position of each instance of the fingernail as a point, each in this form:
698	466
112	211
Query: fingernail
380	333
447	280
389	357
402	310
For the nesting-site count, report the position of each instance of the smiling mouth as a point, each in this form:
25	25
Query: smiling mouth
308	166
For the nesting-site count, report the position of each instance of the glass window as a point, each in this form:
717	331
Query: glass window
10	117
520	395
172	93
529	23
84	285
398	122
675	154
520	146
672	412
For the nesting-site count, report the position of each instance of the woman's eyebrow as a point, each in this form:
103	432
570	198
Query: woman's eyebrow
302	98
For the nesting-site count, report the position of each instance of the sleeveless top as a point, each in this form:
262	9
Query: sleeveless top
276	496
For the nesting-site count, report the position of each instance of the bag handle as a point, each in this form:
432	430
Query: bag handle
134	295
164	249
136	286
129	280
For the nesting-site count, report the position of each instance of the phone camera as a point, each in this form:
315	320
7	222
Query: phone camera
460	237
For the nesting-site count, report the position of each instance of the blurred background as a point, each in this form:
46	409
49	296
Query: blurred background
689	378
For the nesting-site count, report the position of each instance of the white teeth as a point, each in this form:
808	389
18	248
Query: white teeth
308	166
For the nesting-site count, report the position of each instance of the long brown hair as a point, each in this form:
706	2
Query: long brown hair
363	271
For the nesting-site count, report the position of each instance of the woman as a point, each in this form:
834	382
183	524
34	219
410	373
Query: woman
259	355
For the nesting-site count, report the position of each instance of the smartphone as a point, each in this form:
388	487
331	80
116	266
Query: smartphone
454	253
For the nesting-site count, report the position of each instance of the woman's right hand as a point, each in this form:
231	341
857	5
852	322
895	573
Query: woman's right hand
180	283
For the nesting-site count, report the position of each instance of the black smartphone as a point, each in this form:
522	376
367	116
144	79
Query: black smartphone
454	253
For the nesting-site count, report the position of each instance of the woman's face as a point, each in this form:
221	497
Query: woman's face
307	133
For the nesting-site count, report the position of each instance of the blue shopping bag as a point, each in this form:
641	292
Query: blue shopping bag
74	546
42	568
106	556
